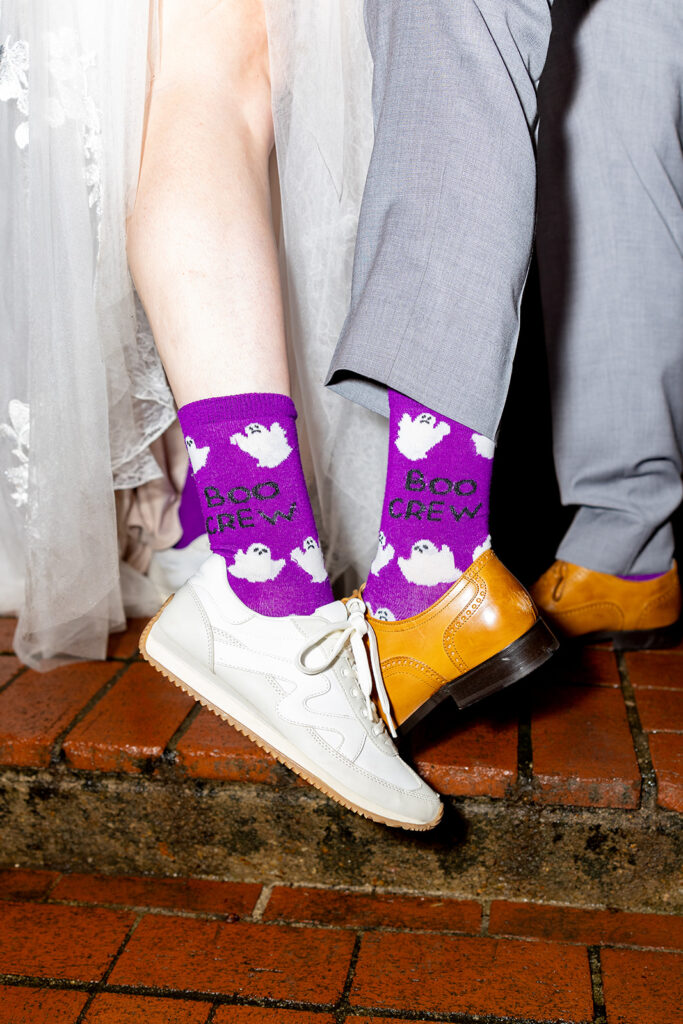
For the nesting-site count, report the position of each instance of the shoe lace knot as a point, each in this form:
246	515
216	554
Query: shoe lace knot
354	629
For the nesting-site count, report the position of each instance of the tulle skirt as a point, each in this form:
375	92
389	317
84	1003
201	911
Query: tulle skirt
84	403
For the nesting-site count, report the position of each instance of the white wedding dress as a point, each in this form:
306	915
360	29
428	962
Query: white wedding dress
82	391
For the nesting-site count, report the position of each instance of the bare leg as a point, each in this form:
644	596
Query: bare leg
200	240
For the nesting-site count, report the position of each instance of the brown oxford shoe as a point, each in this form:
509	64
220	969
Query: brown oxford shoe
592	606
482	635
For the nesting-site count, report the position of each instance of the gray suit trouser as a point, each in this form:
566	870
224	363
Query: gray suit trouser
446	231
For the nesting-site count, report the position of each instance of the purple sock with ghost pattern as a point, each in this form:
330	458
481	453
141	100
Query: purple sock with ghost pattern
435	517
244	455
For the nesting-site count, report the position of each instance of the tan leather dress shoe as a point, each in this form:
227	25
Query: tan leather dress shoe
483	634
582	603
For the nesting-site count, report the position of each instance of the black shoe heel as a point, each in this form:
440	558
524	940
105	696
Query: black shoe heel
527	653
648	639
521	657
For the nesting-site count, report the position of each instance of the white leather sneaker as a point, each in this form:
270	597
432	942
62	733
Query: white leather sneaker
298	685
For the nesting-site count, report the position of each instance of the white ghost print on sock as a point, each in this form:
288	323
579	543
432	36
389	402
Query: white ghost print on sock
484	445
416	437
481	548
383	614
428	565
268	445
198	456
385	553
255	564
310	558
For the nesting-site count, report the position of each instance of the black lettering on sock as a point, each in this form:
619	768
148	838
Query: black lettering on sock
461	490
434	485
226	521
433	513
233	492
245	517
279	515
415	481
415	509
464	512
213	497
392	503
259	489
208	530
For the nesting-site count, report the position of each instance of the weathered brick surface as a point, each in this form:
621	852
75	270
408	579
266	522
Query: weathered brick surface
582	748
9	666
358	910
667	758
131	724
60	942
212	749
175	893
7	628
125	644
588	666
20	1005
660	669
661	710
642	987
444	974
25	885
254	960
110	1008
37	707
261	1015
468	755
590	927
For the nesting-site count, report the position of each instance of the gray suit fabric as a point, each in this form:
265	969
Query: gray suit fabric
446	230
610	247
447	218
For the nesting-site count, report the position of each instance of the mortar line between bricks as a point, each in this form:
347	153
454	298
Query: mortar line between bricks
27	981
380	929
262	902
641	745
525	755
86	1006
380	1013
485	916
212	1014
20	671
343	1004
56	751
115	959
154	992
595	966
46	897
169	754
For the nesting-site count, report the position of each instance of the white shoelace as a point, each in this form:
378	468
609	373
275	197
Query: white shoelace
354	628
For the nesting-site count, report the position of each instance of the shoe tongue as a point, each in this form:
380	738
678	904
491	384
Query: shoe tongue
332	612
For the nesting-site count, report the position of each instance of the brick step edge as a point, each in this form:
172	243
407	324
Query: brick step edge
485	849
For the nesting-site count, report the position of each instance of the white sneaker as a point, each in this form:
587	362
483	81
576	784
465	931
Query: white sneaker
298	685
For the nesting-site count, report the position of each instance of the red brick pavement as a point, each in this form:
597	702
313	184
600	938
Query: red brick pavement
121	716
176	951
98	950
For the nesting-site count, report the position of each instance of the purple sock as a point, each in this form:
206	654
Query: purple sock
642	579
436	509
190	513
244	454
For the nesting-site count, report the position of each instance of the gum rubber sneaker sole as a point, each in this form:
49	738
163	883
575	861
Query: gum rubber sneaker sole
194	682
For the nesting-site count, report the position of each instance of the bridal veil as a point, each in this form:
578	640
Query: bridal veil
82	392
